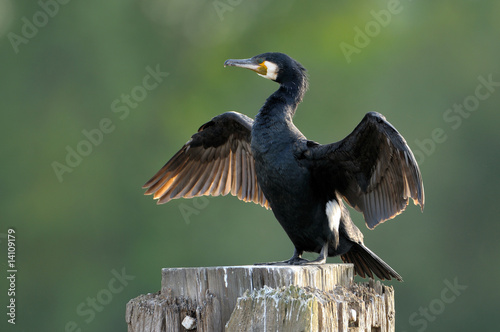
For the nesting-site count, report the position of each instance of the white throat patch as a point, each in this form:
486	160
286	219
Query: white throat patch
333	213
272	70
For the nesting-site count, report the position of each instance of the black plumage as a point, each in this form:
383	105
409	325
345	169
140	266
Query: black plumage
270	162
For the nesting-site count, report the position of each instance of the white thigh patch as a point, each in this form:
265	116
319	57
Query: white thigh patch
333	213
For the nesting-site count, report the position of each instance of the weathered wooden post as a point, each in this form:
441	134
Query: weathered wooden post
263	298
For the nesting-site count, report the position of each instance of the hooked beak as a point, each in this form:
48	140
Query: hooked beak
252	64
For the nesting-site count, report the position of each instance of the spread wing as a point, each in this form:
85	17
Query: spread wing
372	168
217	160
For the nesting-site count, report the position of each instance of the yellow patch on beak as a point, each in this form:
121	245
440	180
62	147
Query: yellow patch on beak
262	69
268	70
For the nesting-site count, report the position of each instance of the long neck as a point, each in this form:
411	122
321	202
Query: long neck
282	104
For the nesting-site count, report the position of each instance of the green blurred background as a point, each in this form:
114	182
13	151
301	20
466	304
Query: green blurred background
76	231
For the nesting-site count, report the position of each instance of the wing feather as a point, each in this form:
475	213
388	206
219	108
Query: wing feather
372	168
227	177
217	160
215	181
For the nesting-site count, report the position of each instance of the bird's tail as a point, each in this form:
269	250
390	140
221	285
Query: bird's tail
366	263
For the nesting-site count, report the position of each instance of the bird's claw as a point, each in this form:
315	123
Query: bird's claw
297	261
291	261
318	261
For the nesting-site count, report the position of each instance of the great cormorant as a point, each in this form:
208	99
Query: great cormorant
270	162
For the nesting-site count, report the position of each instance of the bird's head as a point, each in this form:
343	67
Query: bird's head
275	66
